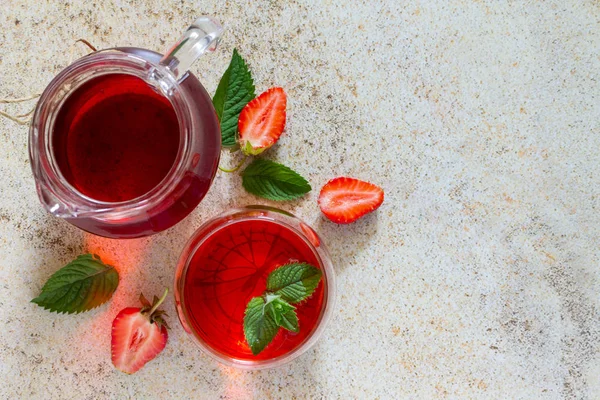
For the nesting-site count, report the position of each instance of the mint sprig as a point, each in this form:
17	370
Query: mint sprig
289	284
235	90
283	312
295	282
81	285
277	307
259	326
273	181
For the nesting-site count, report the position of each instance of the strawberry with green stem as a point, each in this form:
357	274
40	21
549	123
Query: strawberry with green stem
253	125
262	121
138	335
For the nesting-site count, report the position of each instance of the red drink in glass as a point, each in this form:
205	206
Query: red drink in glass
227	263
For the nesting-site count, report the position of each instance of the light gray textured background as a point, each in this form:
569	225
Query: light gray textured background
477	278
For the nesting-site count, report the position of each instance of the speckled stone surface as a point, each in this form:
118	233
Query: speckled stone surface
478	277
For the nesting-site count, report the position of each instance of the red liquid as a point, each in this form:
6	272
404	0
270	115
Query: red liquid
115	138
230	268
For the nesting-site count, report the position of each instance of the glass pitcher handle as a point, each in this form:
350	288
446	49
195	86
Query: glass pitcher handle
202	36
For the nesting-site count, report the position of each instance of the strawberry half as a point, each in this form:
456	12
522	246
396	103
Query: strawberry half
344	200
138	335
262	121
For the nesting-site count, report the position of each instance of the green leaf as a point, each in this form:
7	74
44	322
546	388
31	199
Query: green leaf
283	312
273	181
235	90
294	282
271	298
81	285
277	307
289	321
259	326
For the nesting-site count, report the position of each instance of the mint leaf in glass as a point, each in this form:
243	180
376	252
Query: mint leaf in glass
259	326
290	283
278	307
235	90
289	321
294	282
273	181
81	285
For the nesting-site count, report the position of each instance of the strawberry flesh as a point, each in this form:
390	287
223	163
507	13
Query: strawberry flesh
344	200
262	121
136	338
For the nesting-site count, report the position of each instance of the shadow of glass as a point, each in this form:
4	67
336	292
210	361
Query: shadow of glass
286	381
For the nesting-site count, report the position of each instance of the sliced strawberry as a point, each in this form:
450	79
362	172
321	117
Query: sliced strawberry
344	200
262	121
138	335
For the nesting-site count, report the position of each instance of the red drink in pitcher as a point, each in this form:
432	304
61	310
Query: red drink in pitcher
115	138
125	142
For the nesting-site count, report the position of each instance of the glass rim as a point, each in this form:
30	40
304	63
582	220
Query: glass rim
42	156
212	226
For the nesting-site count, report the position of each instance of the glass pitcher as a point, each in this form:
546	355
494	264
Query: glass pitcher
196	157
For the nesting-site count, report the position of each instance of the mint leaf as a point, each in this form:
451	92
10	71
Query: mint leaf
283	312
273	181
289	321
277	307
259	326
81	285
235	90
294	282
290	283
271	298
